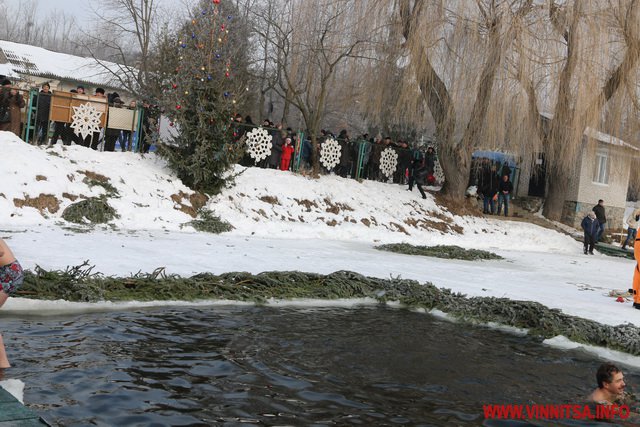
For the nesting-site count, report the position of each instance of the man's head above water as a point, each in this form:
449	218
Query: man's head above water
610	383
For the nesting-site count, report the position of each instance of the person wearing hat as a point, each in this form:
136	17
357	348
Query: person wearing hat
42	113
590	225
11	101
112	135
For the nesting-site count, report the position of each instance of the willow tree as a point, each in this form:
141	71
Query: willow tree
571	61
451	54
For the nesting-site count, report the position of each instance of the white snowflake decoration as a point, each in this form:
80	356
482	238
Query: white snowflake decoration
388	162
259	144
330	153
86	120
438	173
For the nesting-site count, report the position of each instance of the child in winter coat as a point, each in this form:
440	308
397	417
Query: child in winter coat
590	225
287	153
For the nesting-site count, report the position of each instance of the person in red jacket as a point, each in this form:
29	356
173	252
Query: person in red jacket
287	153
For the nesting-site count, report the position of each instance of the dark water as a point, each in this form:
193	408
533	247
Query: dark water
282	366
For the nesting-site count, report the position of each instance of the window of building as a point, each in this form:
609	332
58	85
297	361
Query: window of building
601	173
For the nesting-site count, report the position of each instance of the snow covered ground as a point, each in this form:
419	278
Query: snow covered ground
285	221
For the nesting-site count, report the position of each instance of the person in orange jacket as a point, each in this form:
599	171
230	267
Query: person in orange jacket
287	152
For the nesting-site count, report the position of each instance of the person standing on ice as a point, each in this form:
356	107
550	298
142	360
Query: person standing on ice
287	152
590	226
11	277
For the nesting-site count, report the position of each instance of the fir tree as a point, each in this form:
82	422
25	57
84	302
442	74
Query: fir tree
201	95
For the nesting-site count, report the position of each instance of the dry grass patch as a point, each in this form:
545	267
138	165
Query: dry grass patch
42	202
270	199
460	207
197	201
335	208
400	228
94	176
307	204
429	225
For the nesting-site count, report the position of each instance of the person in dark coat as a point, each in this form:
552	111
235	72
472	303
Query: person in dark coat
346	152
488	188
430	159
374	160
417	160
277	140
11	101
590	226
602	218
504	194
420	176
149	119
404	162
42	113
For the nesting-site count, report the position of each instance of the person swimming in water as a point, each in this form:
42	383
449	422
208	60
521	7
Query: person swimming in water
11	277
610	385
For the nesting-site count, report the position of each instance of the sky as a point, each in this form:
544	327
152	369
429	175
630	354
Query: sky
78	8
81	9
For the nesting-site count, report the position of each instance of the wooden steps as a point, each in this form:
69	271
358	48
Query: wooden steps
15	414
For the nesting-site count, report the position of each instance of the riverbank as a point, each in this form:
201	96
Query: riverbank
287	222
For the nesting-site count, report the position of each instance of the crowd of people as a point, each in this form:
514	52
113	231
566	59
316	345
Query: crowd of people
12	101
494	186
359	157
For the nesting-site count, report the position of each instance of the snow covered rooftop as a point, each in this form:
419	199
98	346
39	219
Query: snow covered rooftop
608	139
599	136
40	62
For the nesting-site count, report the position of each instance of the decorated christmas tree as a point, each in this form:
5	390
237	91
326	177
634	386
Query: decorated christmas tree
201	95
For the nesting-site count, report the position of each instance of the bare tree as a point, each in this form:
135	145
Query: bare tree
125	37
311	42
57	31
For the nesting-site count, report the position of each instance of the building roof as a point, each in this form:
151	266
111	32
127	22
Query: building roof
40	62
608	139
599	136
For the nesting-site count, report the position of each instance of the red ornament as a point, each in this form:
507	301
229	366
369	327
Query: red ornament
620	299
171	124
216	1
227	74
174	85
178	107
